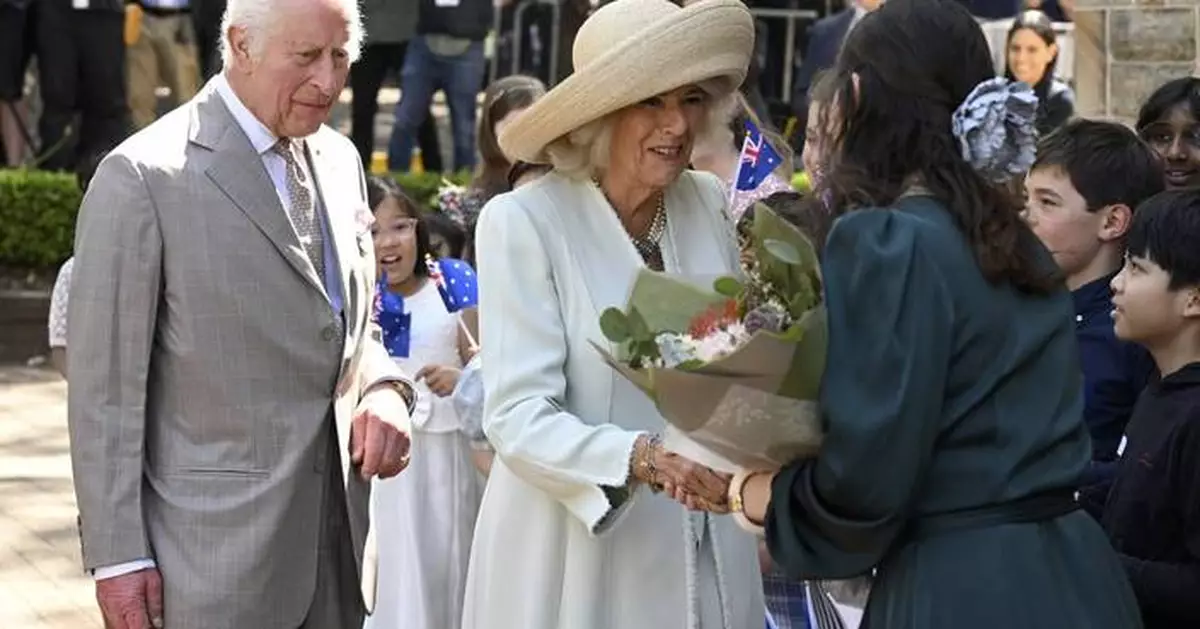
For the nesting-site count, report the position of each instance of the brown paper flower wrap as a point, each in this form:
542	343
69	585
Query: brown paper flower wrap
736	368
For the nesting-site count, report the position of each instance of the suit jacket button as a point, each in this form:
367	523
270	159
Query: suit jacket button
327	333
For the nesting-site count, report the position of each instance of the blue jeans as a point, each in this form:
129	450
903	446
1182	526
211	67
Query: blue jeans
460	77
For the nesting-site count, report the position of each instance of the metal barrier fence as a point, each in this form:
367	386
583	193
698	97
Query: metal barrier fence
791	54
996	32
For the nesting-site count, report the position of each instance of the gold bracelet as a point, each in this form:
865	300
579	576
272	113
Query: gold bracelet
737	502
643	464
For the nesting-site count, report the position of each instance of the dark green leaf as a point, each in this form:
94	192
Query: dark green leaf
615	325
728	287
638	330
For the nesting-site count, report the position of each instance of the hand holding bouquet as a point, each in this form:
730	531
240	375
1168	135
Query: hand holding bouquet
736	368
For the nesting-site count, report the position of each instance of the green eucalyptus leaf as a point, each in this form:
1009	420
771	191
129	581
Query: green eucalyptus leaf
615	325
638	329
728	287
781	250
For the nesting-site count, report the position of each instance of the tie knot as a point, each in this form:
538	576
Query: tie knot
284	148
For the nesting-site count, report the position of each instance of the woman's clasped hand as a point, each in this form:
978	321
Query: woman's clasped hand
696	486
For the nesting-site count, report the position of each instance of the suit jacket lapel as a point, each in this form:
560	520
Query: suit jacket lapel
240	174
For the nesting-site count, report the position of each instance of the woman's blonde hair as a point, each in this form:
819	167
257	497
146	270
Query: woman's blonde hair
585	152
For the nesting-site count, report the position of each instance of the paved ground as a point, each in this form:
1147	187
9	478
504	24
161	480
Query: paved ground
41	583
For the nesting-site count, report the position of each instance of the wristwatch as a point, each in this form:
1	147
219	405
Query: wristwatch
405	390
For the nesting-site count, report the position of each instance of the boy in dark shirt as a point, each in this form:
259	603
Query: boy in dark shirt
1152	513
1080	195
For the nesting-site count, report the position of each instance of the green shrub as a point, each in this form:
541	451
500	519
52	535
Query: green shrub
37	213
37	217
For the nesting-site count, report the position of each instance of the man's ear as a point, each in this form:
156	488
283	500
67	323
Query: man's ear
1117	219
239	44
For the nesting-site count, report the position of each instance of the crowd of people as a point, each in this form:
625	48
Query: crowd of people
281	417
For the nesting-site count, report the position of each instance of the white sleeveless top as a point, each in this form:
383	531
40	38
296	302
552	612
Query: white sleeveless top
433	341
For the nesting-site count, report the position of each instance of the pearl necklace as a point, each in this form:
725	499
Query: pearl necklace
649	244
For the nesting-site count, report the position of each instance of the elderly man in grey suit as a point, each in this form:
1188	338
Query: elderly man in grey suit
230	399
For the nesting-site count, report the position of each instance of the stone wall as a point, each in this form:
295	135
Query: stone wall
1126	49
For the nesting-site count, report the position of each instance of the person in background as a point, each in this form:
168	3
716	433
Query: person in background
390	26
990	10
954	439
163	53
446	54
59	298
81	72
1080	197
206	23
825	39
426	516
1056	10
1031	57
447	237
16	47
503	100
1169	121
1152	512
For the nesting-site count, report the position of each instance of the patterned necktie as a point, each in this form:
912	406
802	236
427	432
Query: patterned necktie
303	213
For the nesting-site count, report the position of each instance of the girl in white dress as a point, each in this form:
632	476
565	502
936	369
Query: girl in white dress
425	517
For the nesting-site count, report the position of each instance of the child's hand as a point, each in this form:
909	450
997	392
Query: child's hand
439	378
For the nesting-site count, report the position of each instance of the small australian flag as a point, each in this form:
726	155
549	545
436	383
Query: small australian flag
456	282
758	159
395	324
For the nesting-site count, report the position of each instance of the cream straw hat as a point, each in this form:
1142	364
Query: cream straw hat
631	50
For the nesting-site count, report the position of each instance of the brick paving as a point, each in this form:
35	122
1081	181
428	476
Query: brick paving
41	583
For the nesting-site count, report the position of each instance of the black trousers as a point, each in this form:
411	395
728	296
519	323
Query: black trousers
366	76
81	66
206	20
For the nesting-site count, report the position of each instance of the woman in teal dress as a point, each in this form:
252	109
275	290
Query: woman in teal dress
952	394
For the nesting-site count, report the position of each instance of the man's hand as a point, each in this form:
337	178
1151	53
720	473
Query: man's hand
378	444
132	601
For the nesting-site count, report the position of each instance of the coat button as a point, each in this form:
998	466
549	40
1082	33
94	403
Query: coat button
327	333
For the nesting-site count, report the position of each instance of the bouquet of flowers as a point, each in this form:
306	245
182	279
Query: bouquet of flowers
736	368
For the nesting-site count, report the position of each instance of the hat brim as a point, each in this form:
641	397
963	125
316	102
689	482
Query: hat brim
711	40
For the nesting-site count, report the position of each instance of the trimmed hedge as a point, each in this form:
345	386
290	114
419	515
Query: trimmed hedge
38	209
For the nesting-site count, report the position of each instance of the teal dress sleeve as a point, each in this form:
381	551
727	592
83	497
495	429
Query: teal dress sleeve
890	322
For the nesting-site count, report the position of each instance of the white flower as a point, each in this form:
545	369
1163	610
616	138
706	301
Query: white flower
675	349
721	343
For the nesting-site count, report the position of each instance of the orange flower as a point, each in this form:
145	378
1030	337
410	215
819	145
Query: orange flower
716	317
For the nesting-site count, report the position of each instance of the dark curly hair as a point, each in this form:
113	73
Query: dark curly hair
903	71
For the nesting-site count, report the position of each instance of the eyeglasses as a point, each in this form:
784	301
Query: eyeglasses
402	226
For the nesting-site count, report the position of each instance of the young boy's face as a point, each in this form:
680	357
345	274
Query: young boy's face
1145	309
1059	216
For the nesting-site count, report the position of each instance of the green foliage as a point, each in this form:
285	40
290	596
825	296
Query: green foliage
37	217
38	209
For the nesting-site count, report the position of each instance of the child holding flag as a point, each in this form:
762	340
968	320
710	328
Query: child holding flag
425	518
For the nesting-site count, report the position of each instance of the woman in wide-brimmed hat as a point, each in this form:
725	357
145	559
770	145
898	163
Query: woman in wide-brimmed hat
570	533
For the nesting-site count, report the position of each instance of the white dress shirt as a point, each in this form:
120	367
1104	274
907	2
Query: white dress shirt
263	142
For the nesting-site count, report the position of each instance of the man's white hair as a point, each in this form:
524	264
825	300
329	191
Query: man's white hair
259	18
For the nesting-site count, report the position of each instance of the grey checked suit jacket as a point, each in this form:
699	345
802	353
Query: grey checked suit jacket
205	369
